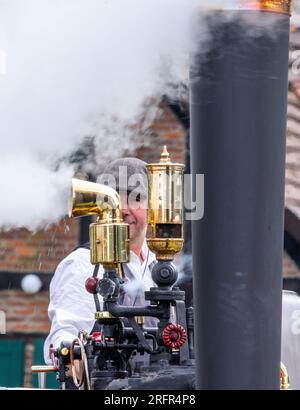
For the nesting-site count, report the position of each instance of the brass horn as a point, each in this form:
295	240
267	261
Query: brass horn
109	236
89	198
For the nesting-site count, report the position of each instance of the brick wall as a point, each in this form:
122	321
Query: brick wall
165	130
25	313
290	269
22	251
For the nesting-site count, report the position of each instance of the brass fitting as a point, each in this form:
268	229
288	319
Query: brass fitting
139	320
275	6
103	315
109	236
284	378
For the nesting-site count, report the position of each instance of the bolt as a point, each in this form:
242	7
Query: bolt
164	273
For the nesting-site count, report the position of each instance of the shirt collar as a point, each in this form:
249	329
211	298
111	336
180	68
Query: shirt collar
144	253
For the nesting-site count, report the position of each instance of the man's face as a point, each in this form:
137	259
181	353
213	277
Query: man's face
134	213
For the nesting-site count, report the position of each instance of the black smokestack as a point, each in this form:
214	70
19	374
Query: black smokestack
238	124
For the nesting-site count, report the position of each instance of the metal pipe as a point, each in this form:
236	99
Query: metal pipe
238	122
43	369
118	310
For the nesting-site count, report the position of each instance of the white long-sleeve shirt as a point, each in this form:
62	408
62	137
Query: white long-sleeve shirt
72	308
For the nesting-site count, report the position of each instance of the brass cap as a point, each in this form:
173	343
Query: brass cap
165	156
164	163
103	315
139	320
64	351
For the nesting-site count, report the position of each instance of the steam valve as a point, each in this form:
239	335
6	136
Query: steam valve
174	336
106	287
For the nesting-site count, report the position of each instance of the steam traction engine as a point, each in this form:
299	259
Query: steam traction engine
166	350
238	101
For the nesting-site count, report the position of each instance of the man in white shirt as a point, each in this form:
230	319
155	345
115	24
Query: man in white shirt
71	307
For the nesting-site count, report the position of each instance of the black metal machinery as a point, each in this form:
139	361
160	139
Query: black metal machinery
238	107
119	332
238	118
109	349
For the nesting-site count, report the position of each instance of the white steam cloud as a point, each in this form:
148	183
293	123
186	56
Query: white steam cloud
76	68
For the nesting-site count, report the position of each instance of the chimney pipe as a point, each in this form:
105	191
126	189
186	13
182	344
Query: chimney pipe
238	109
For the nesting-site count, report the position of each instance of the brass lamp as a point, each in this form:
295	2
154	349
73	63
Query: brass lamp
165	207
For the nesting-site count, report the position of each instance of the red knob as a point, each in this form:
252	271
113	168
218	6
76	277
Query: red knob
97	336
174	336
91	284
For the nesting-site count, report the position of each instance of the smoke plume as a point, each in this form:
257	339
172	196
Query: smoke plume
71	69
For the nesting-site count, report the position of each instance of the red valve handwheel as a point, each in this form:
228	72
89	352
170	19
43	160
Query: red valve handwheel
174	336
97	336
